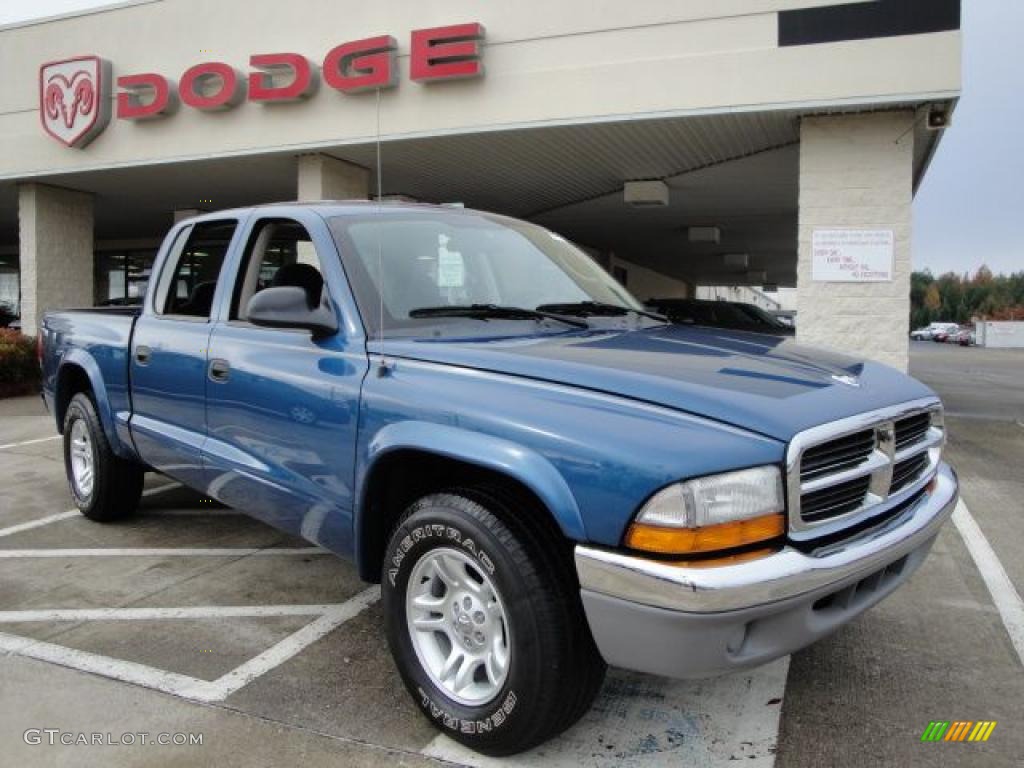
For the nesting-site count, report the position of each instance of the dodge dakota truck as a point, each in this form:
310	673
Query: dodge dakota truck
544	477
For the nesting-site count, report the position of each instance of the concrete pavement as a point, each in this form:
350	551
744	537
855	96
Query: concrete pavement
106	638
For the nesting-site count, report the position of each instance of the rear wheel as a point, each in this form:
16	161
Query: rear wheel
104	486
484	620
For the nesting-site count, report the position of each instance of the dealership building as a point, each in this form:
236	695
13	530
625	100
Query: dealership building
683	143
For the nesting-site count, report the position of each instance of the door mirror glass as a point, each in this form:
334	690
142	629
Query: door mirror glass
287	306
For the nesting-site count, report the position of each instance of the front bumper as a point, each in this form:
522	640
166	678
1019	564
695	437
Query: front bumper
695	622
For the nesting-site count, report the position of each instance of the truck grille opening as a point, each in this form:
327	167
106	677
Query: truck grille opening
907	471
834	500
846	468
911	429
837	455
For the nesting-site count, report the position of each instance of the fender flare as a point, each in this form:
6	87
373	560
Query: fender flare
85	361
494	453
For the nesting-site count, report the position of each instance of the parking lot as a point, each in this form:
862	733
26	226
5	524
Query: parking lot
193	619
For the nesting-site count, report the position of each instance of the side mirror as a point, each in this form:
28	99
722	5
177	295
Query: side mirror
286	306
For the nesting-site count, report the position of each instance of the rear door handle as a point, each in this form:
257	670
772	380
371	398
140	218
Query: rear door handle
142	354
220	369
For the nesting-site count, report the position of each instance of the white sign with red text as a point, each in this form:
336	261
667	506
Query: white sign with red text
852	255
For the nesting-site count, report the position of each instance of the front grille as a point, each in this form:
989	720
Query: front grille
842	469
837	455
907	471
911	429
834	500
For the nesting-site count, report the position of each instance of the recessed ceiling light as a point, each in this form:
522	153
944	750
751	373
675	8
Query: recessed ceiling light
645	194
704	234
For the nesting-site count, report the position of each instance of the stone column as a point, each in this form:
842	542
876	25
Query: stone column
856	171
321	177
56	249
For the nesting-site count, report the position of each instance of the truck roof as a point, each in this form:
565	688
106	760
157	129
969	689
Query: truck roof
332	207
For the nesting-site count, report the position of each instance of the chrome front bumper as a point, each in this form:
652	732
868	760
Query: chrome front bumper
753	611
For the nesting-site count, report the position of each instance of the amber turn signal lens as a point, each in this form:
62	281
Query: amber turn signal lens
711	538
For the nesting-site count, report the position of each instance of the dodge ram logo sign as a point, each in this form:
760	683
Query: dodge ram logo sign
75	95
74	99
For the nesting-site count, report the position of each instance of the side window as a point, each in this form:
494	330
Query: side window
279	252
189	279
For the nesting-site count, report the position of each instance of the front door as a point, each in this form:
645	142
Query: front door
168	355
282	408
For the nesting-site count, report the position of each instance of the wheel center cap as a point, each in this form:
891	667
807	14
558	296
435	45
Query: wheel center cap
469	621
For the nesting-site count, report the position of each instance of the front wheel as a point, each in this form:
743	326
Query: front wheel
484	621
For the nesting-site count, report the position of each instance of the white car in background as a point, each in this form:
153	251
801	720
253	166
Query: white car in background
926	334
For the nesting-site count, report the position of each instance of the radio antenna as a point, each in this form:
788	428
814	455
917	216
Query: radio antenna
382	369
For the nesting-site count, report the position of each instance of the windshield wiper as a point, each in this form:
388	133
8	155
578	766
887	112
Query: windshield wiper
485	311
597	308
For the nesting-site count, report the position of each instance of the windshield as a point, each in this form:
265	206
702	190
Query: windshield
418	260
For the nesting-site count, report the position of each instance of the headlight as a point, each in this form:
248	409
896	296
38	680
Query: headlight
712	513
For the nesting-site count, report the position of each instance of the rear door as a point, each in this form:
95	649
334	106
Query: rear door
282	408
168	355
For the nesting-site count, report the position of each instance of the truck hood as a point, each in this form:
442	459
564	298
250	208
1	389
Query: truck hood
764	384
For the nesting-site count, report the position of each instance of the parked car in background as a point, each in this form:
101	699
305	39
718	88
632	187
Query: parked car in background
734	315
964	337
929	332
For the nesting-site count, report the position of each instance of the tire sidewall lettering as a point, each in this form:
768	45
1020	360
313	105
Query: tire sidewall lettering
486	724
446	534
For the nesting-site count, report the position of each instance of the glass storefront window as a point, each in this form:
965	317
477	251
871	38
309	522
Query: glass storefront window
121	277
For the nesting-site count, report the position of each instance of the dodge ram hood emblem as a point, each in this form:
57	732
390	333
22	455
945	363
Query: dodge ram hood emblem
850	381
74	99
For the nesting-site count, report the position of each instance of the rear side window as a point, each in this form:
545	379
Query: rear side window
189	279
279	253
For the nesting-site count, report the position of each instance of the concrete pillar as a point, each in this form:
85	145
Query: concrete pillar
322	177
56	250
856	171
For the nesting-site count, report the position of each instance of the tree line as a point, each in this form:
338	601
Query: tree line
965	298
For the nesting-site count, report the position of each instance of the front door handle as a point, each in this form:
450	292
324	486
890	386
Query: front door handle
220	370
142	354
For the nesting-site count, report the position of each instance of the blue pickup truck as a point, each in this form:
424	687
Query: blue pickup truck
543	476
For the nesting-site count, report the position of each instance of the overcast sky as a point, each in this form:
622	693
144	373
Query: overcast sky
970	209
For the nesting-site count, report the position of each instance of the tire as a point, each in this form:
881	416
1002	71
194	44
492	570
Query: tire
113	488
524	572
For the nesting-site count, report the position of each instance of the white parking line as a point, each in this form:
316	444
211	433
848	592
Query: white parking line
148	614
276	655
183	685
1004	594
30	442
11	554
38	523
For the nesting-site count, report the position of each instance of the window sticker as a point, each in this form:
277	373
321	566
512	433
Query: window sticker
451	270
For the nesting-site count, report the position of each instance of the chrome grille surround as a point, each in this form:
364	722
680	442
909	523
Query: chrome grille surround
877	464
